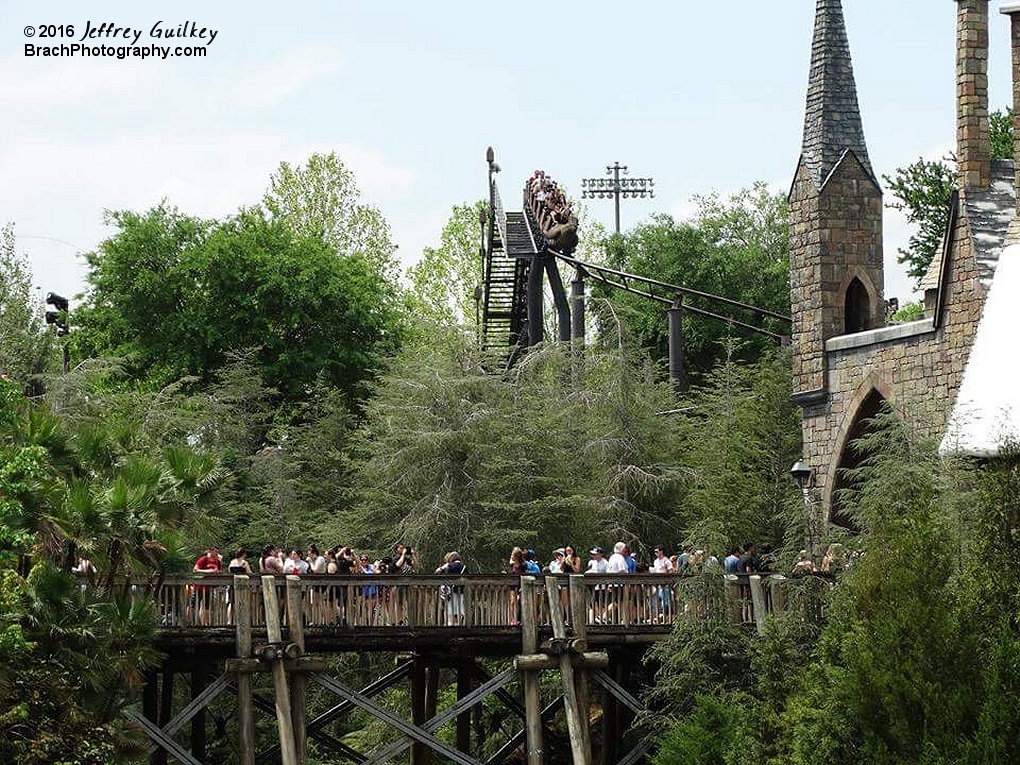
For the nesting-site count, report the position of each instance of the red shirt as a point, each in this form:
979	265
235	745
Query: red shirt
207	564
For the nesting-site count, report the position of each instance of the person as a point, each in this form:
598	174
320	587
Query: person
515	568
85	569
556	564
269	561
834	558
598	563
617	563
316	562
239	563
453	595
748	563
406	561
767	560
531	564
630	559
683	560
571	561
209	562
731	562
295	563
661	564
662	603
804	564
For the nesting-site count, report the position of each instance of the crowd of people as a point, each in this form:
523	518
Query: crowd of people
548	206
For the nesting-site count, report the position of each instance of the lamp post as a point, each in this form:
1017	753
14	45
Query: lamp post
804	476
60	317
617	187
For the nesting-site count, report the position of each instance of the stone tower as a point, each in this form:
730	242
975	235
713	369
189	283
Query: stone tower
836	274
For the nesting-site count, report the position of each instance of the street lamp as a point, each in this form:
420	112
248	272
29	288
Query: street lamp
60	318
804	476
617	187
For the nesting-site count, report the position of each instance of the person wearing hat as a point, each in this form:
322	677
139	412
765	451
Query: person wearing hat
598	563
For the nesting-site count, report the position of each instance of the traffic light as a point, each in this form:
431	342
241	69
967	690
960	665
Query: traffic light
59	316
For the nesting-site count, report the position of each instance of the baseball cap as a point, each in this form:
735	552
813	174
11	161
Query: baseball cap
597	551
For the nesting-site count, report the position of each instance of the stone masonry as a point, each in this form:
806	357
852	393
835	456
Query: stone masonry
836	236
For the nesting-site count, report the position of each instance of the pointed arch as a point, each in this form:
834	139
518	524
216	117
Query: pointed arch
864	407
856	307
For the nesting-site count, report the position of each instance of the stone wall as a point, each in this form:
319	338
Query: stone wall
916	368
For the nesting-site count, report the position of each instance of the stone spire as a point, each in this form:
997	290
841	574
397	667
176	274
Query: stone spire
832	123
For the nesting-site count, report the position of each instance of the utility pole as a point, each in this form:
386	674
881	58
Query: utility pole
617	187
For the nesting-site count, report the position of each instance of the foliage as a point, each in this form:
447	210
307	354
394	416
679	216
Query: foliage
445	278
920	648
909	311
737	248
177	296
25	347
923	190
321	201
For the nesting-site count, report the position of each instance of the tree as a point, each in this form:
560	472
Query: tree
25	347
321	200
923	189
737	248
177	296
444	280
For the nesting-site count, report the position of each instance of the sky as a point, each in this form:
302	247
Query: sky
700	96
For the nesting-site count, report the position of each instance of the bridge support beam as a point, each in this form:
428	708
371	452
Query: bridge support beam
464	686
563	322
536	309
199	680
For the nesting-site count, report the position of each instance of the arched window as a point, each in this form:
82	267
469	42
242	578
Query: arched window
855	305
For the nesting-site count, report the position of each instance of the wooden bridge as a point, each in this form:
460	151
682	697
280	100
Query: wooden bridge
224	633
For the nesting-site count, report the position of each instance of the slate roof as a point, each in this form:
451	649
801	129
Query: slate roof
832	122
989	213
986	415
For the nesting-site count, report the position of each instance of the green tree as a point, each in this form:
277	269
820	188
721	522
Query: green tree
25	348
737	248
321	200
444	280
177	296
922	189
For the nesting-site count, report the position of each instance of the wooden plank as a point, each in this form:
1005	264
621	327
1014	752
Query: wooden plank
199	682
578	592
607	682
476	696
419	752
166	701
298	682
381	713
758	602
245	703
464	683
165	742
539	661
580	755
518	738
304	665
640	750
284	722
532	687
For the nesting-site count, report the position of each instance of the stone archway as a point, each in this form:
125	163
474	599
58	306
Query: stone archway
868	407
856	307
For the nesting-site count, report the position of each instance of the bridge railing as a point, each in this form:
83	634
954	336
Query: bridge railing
476	601
499	213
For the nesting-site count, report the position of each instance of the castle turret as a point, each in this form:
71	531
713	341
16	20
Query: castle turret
836	274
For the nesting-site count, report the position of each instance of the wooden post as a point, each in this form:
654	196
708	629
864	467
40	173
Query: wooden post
734	603
166	702
199	680
245	699
757	602
464	684
580	755
777	587
419	752
150	700
299	680
532	689
288	752
579	619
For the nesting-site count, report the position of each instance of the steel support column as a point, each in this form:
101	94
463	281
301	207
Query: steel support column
676	343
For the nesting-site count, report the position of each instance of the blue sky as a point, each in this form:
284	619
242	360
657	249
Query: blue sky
701	96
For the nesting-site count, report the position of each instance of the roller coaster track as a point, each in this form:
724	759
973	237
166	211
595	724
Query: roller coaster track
514	245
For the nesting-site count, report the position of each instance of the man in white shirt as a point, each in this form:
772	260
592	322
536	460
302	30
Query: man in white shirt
663	601
617	561
597	564
295	563
662	564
